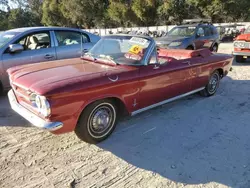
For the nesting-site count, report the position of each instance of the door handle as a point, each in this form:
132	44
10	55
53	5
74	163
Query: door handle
156	66
48	56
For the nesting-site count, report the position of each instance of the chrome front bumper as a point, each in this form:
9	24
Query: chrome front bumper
29	116
242	53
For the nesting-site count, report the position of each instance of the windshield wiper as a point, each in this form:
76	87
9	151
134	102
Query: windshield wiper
107	57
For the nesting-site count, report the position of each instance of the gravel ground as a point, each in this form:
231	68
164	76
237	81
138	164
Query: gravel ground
193	142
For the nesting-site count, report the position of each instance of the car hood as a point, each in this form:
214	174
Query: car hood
169	39
43	78
245	37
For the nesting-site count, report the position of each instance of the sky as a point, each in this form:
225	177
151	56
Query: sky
11	4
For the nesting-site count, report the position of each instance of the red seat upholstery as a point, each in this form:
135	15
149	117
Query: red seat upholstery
183	54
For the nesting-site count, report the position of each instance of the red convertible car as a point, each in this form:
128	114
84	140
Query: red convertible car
120	74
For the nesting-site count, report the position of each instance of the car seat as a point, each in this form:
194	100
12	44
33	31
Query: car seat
33	43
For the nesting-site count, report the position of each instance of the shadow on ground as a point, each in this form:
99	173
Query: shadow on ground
195	140
8	117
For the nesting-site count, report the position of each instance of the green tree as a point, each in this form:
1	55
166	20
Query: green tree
52	14
36	8
4	20
237	10
145	10
84	13
121	13
212	9
163	12
117	13
20	18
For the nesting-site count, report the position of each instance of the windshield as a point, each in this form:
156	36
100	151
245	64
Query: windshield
6	37
182	31
247	30
120	49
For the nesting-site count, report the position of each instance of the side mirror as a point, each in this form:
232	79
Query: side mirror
197	35
15	48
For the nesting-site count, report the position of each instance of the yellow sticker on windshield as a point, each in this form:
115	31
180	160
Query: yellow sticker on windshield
135	49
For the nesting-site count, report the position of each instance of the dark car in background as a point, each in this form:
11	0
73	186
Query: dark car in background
229	32
191	36
40	44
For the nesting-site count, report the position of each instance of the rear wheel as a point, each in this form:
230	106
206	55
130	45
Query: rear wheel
239	59
212	85
97	121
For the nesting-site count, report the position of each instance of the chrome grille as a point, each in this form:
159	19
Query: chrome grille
21	93
242	44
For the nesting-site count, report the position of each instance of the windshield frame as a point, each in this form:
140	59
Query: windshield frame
146	56
247	31
178	27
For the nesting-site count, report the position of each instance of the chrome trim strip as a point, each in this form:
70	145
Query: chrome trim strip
166	101
32	118
18	85
22	95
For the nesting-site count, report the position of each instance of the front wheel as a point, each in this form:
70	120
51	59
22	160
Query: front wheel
190	48
97	121
1	89
214	48
212	85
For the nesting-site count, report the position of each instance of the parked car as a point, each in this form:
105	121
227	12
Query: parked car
191	37
120	74
229	32
38	44
242	46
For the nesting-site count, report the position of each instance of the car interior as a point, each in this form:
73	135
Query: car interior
69	38
171	55
35	41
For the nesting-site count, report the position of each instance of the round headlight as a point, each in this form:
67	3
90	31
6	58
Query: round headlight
43	105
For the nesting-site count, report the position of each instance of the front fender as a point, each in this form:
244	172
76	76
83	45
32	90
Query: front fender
85	104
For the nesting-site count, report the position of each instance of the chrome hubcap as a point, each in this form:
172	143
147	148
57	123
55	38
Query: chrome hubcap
213	83
101	120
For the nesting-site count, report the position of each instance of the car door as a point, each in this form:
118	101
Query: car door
161	80
71	44
38	47
199	72
208	39
199	38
